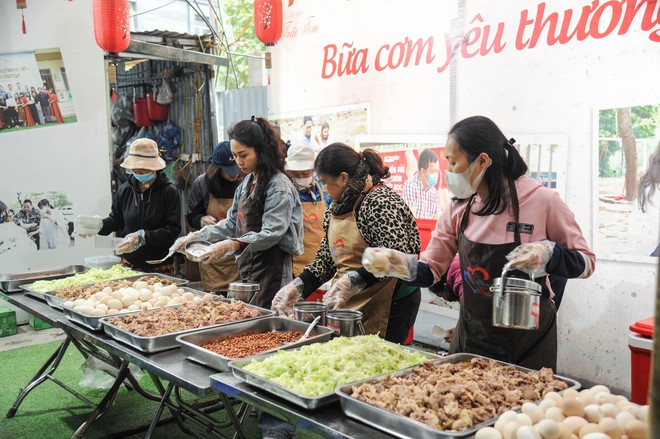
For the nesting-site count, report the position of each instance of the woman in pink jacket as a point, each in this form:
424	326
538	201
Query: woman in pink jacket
498	215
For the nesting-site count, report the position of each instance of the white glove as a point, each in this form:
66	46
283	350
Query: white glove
287	296
208	220
219	250
385	262
347	286
131	242
180	244
532	257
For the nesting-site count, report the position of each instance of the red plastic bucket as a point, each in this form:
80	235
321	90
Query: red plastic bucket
140	113
156	111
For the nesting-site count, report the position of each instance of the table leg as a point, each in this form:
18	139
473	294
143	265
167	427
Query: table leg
105	403
42	375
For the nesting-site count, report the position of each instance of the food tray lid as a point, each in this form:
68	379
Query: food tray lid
644	327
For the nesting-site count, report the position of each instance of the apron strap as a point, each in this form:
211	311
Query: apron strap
516	212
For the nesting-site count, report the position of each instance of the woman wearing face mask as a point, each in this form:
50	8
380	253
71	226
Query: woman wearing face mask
365	213
210	198
263	228
146	210
498	215
300	169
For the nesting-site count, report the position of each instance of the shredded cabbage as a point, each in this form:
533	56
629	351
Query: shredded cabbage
88	277
318	368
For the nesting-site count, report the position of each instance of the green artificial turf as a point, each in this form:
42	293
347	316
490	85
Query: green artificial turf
49	411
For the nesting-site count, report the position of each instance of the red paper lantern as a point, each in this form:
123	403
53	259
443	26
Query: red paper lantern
112	29
268	20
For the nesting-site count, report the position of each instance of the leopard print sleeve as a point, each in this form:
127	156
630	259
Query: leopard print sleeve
323	267
384	220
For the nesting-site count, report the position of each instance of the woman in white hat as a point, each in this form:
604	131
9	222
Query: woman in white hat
146	210
300	169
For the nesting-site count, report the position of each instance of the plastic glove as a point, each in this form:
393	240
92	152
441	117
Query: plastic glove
348	285
131	242
219	250
208	220
287	296
180	244
385	262
532	257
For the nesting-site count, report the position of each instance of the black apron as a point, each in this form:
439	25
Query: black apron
263	267
475	333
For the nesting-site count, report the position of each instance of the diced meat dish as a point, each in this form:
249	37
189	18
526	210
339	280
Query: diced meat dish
457	396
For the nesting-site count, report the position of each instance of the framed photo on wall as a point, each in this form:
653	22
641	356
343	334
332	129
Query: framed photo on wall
627	169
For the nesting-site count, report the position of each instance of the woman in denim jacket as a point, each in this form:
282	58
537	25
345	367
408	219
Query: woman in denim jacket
264	226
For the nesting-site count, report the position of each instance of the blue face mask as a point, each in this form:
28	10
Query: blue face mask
432	179
144	178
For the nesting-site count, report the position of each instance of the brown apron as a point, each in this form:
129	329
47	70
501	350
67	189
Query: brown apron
346	247
313	212
475	333
217	275
263	267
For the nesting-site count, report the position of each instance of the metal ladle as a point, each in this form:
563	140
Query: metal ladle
158	261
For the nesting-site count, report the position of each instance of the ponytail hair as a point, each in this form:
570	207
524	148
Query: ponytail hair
477	134
339	157
257	133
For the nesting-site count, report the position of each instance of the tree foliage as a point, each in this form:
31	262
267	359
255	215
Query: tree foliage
237	16
644	120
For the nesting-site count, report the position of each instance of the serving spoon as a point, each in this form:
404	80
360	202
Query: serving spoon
158	261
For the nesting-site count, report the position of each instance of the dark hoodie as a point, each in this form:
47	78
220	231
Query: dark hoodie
156	210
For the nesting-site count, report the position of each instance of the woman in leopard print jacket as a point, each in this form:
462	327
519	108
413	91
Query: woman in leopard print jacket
365	213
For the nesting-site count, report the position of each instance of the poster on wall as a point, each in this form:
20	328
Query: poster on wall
34	221
628	178
417	169
34	91
320	128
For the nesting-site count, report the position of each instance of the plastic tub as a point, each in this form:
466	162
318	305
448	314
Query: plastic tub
640	342
105	261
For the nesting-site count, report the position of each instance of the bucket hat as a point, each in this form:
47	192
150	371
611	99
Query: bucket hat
143	154
300	157
222	156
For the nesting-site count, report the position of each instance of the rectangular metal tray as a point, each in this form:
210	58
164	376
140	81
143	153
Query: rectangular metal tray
191	344
94	322
166	341
56	302
14	282
304	401
402	426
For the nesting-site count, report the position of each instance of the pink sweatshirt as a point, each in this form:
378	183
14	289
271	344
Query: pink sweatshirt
539	206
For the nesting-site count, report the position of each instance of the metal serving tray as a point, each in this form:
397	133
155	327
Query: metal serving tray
191	344
167	341
14	282
304	401
403	426
94	322
56	302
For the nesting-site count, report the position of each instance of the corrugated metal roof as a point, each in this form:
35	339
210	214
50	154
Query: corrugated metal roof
175	39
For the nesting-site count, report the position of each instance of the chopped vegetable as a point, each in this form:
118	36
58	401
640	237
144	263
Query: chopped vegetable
88	277
318	368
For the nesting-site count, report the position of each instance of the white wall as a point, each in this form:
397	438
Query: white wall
550	89
74	157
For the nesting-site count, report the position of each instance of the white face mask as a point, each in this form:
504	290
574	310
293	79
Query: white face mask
459	183
303	183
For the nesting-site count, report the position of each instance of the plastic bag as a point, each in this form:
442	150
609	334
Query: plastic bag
121	113
165	94
100	375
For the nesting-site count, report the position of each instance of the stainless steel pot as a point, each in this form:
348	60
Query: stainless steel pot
308	311
515	302
345	322
243	290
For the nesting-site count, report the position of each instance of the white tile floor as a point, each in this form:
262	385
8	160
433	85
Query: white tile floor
26	336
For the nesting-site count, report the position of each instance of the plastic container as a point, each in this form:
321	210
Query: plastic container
640	342
105	261
88	225
7	321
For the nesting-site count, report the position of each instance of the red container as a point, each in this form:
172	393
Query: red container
140	113
425	226
640	342
157	112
